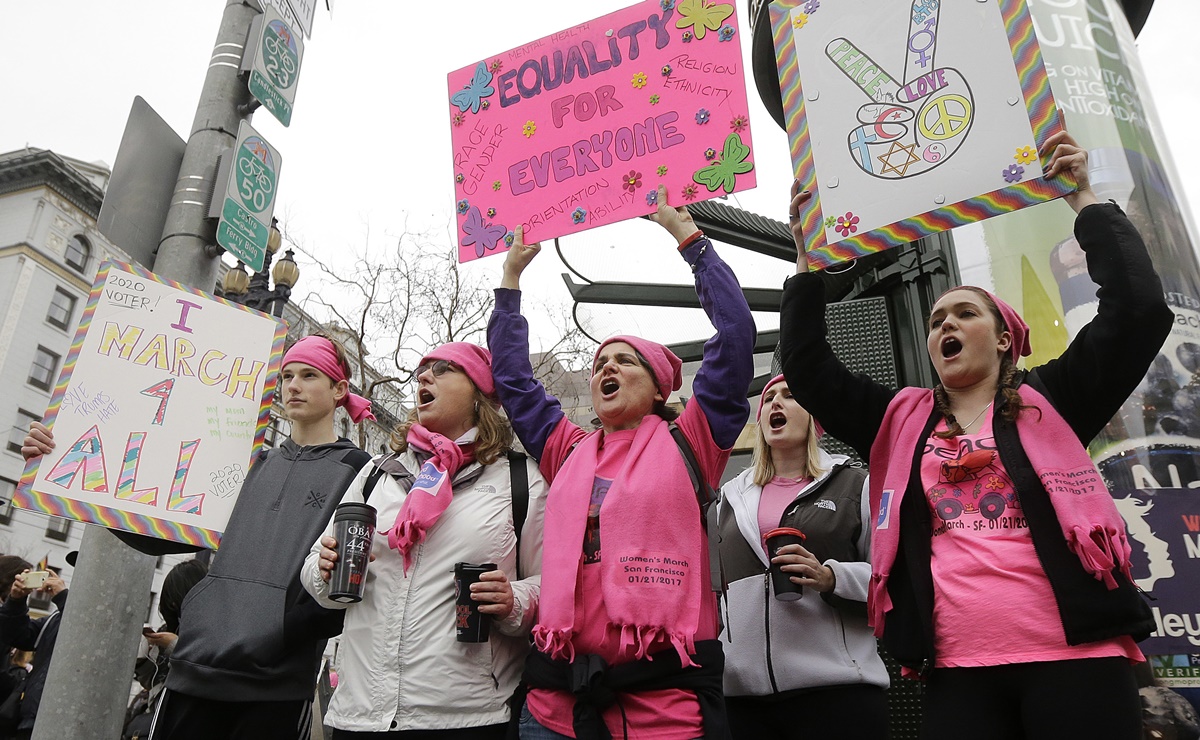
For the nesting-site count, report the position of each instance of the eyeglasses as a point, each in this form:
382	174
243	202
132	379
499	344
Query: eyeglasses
438	367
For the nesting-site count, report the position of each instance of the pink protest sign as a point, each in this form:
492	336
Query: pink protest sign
578	129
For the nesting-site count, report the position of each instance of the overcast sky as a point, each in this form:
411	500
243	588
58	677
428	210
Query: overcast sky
369	144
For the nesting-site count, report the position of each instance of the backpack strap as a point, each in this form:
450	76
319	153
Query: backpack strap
519	483
372	481
706	497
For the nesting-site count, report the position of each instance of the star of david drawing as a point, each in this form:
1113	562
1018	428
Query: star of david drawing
895	149
316	499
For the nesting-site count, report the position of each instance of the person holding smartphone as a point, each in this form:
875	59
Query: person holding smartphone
22	632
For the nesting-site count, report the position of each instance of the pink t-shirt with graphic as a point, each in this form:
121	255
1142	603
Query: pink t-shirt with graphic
672	714
992	600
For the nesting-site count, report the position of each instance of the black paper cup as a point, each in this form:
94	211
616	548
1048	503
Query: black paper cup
781	582
469	624
354	530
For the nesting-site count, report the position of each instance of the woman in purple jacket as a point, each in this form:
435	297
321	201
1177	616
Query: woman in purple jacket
626	484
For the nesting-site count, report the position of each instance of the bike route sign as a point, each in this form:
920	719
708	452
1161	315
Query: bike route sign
276	65
249	198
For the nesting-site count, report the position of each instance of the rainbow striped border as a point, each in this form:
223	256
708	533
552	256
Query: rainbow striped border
107	516
1043	118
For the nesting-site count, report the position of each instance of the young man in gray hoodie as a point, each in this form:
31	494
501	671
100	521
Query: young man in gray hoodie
250	637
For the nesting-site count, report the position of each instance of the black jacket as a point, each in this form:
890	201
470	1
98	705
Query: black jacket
248	631
38	635
1087	385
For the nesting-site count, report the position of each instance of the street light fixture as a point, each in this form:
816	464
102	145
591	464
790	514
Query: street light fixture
256	291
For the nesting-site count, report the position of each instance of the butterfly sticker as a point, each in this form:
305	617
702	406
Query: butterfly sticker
702	16
483	235
724	172
473	93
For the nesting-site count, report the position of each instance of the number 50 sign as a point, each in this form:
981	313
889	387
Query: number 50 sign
249	200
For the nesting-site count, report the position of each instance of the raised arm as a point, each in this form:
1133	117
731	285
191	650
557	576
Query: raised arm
849	406
1109	357
534	413
728	364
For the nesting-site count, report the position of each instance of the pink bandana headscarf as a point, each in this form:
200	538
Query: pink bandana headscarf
318	352
1013	323
666	368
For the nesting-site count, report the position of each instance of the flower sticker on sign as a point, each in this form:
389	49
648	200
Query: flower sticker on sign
568	132
905	126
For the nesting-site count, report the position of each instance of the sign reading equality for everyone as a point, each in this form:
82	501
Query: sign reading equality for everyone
275	65
249	199
159	410
909	118
578	129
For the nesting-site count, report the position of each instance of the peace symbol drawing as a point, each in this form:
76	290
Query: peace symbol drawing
911	117
912	123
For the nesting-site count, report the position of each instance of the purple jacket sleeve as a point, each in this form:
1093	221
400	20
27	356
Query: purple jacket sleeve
728	365
534	413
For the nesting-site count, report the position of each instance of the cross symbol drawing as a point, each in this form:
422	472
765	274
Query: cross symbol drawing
859	139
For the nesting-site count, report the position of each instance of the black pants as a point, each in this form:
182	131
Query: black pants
851	712
487	732
183	717
1090	697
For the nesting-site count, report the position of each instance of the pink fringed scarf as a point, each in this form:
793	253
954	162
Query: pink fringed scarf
650	523
1091	525
431	492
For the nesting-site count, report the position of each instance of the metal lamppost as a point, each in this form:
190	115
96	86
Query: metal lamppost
256	291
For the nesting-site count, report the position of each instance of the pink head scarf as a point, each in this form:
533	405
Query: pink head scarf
1013	323
475	361
666	368
318	352
762	402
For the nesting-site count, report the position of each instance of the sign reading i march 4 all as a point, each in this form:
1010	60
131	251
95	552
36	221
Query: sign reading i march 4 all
275	65
159	410
249	198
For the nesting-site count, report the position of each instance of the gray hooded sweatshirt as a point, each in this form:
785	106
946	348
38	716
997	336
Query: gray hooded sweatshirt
248	631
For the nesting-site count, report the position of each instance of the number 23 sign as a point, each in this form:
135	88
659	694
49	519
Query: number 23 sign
911	117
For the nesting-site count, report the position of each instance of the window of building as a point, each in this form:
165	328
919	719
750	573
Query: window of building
16	435
58	529
44	370
78	251
7	489
62	309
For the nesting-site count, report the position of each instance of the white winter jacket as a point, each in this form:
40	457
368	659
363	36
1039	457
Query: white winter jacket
399	664
773	646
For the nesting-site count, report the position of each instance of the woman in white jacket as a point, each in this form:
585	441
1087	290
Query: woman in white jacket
807	668
402	673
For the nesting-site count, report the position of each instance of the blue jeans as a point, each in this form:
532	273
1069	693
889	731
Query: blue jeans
531	729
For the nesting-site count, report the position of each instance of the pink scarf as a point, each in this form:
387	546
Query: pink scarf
1091	525
431	492
650	530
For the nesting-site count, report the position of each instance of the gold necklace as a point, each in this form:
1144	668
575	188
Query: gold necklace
977	416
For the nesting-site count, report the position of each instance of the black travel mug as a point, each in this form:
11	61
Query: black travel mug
469	624
354	530
785	590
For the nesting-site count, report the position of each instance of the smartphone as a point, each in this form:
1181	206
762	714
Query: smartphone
147	631
35	579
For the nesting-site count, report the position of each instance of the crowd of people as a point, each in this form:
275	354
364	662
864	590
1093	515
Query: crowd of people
612	552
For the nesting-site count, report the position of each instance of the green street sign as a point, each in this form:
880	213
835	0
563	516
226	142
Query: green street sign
275	64
249	200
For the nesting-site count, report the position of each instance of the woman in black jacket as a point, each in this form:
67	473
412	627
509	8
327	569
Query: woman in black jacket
1000	567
